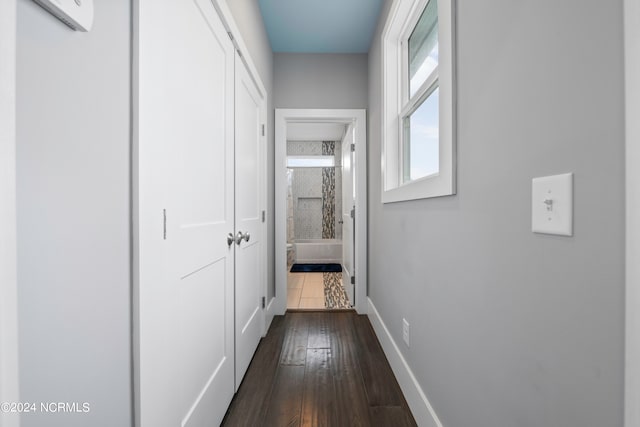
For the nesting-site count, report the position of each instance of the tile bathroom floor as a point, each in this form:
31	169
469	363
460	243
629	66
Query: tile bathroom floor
305	290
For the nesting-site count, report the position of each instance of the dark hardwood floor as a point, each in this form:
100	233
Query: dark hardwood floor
319	369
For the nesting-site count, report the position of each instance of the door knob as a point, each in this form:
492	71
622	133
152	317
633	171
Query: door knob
230	239
240	236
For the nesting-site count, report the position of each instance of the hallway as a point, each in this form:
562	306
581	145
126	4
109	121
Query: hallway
143	236
319	368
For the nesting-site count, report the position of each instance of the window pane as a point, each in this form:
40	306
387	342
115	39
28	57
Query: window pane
310	161
421	140
423	48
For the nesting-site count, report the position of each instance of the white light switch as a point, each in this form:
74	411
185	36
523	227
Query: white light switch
552	205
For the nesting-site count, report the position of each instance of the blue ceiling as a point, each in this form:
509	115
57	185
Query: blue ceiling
320	26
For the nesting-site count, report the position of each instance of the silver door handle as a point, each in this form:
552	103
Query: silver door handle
230	239
240	236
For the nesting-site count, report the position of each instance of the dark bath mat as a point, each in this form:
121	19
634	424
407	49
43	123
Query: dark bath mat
316	268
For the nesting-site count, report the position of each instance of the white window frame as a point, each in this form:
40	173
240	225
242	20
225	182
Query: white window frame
402	19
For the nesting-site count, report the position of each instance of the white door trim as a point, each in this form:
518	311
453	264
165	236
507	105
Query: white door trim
358	118
8	274
632	244
230	25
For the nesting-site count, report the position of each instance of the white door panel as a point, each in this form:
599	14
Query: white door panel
249	161
204	361
248	140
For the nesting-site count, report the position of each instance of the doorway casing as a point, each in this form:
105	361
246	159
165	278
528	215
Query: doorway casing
8	249
356	117
632	199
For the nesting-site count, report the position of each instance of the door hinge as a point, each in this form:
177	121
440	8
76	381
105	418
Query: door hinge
264	302
353	212
353	148
353	280
262	130
230	35
264	216
164	224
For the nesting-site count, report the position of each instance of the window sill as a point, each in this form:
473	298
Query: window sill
425	188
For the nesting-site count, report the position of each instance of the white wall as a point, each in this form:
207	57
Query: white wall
320	80
73	186
248	18
511	328
8	289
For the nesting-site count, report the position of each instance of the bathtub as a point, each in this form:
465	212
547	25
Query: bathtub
318	251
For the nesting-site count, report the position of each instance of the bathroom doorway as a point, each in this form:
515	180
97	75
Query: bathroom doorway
317	215
314	216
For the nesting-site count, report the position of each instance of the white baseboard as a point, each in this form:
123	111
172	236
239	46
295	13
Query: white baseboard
418	403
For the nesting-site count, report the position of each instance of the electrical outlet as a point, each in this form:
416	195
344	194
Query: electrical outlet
405	331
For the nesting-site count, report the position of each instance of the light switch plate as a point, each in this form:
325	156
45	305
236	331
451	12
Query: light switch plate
552	205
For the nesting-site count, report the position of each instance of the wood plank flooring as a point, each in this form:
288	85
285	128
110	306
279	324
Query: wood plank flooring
319	369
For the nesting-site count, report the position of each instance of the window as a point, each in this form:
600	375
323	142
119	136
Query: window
418	107
310	161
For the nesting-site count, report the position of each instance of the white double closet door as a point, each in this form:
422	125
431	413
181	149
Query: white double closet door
201	277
